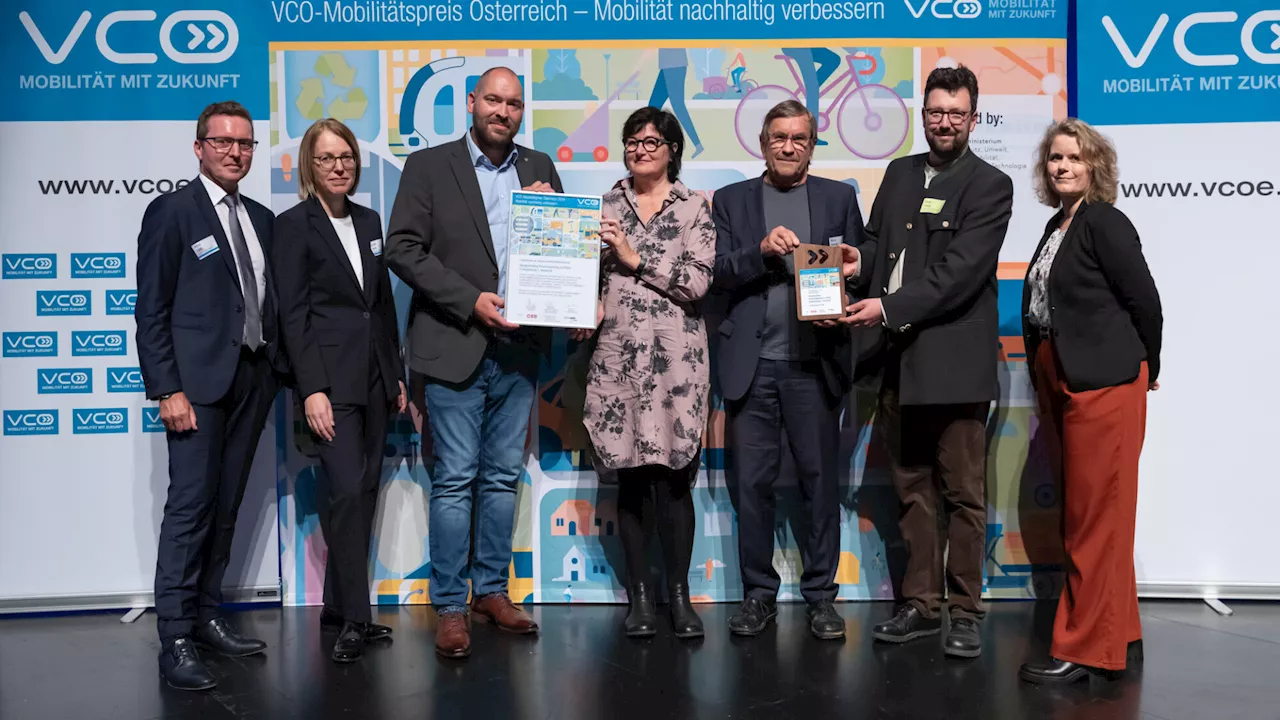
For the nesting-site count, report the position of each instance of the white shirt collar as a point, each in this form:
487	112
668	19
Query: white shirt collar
216	193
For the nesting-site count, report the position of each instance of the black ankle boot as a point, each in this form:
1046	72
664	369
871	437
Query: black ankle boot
642	621
684	621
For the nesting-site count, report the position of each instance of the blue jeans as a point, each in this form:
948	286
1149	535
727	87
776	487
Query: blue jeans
670	86
478	427
826	61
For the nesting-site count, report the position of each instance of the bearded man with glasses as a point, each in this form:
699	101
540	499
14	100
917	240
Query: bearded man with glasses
929	328
208	345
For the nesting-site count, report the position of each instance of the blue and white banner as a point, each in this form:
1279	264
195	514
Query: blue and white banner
99	120
1189	92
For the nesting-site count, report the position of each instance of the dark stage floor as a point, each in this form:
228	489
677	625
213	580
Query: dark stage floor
1199	666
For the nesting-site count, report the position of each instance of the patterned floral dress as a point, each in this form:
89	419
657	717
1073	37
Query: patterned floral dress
648	380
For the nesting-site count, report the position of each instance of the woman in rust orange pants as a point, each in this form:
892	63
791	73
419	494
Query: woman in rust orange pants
1092	322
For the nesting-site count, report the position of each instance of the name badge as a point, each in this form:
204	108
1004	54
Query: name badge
204	248
375	247
933	206
835	240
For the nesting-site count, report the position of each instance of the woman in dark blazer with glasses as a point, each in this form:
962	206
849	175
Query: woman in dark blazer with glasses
340	332
1092	324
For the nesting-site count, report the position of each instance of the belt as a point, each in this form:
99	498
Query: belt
1045	333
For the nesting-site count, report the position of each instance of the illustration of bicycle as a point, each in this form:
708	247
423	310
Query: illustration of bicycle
871	119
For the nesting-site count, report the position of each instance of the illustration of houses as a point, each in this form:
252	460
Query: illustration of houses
583	565
579	517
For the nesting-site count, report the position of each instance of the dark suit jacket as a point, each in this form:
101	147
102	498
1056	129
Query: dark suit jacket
190	312
337	335
943	322
439	244
740	277
1104	307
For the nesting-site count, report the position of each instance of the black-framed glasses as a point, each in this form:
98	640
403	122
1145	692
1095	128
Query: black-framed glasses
223	144
326	162
801	141
650	144
955	116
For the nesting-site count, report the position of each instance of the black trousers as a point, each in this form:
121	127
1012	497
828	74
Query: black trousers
352	465
208	469
790	396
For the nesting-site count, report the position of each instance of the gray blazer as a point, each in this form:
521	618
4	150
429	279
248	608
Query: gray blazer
438	243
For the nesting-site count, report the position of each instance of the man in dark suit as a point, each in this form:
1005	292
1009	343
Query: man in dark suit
207	344
931	326
447	239
776	371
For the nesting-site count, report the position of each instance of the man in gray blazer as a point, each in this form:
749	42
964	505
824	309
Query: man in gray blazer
447	240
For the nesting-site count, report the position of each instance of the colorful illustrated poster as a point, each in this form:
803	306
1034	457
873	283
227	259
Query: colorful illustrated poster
553	263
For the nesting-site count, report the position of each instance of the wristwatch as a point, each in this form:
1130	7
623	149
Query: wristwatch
165	396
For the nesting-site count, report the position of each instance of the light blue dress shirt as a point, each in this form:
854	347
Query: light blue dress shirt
496	186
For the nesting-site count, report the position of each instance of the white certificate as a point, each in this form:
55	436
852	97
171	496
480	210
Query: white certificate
820	292
553	260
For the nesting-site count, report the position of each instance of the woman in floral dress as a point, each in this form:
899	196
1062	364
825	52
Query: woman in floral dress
648	380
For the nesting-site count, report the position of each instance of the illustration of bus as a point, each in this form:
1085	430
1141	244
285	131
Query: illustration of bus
434	109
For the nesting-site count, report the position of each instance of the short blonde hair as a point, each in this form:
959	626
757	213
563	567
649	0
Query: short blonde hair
307	155
1096	151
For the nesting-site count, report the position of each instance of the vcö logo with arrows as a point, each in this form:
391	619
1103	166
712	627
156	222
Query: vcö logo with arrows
186	36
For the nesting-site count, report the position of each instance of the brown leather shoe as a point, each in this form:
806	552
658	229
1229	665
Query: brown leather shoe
453	636
499	610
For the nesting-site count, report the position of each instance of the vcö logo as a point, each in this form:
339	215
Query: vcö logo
63	302
98	342
97	265
124	379
30	344
206	36
945	9
58	381
30	266
151	420
30	422
1268	56
121	302
100	420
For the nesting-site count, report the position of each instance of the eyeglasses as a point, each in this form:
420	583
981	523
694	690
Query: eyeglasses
956	116
326	161
223	144
778	140
650	144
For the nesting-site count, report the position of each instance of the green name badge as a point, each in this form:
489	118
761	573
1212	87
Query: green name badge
933	206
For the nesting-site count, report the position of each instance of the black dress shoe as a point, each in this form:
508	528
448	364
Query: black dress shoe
350	644
641	620
963	640
753	617
1133	653
218	636
331	620
1054	672
906	626
684	620
824	622
181	667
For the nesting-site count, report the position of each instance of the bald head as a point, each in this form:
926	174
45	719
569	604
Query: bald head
497	108
505	73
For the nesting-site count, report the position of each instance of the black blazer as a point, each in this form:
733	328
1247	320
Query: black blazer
1103	305
740	278
438	242
336	334
944	318
190	312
